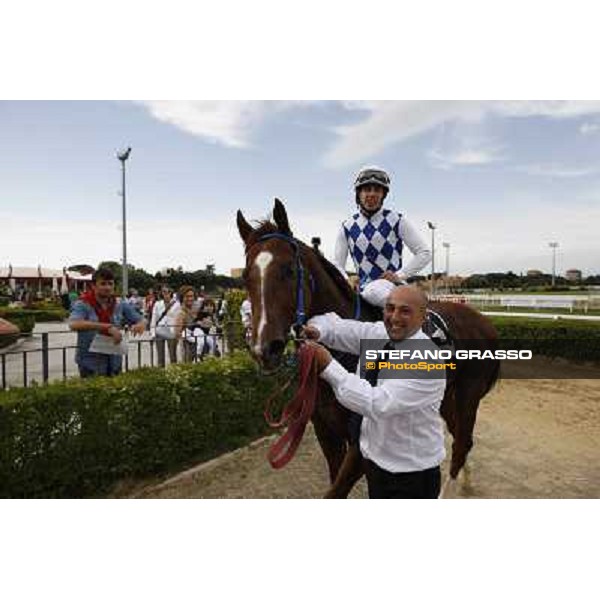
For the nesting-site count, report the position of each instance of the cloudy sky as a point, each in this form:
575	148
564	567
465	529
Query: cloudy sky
500	179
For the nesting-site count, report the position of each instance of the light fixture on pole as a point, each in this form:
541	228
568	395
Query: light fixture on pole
432	227
554	246
447	247
123	156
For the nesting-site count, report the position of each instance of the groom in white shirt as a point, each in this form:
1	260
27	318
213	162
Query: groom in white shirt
401	435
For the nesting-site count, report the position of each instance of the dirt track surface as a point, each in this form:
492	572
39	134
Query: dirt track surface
533	439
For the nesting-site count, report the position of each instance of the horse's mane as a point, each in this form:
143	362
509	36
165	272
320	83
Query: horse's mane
263	228
266	226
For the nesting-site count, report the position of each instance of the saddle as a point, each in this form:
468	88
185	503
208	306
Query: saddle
437	329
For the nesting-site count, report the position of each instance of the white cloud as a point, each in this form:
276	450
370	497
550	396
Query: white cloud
233	123
589	128
545	108
558	171
464	157
227	122
464	145
392	122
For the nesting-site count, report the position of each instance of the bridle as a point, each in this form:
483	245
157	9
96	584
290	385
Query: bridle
300	297
301	317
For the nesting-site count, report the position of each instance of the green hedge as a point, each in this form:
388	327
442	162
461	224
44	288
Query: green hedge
562	338
46	315
24	320
232	327
78	438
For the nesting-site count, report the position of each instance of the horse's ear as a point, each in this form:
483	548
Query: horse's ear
280	217
244	227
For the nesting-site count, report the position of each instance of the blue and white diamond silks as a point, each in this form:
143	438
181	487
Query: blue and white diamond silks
374	244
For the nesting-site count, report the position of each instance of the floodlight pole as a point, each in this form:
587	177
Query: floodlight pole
447	247
123	156
432	227
554	246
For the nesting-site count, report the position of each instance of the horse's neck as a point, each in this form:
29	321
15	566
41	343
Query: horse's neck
329	297
330	302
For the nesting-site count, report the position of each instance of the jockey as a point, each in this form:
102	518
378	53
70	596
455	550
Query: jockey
375	238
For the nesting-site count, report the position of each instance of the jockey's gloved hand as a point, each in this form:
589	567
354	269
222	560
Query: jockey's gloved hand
393	277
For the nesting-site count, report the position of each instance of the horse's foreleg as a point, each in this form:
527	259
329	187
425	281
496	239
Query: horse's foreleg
350	472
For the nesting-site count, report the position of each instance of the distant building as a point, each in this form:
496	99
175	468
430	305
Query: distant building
534	273
573	275
237	273
38	278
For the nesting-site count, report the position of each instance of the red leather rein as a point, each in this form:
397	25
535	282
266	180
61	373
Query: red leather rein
298	411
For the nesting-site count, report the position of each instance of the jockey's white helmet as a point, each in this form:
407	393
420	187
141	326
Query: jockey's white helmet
372	175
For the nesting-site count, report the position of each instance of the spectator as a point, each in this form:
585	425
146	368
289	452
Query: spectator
206	338
99	313
246	315
149	301
185	321
162	326
200	300
136	301
221	309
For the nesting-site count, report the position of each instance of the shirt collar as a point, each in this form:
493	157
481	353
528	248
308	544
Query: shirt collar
375	214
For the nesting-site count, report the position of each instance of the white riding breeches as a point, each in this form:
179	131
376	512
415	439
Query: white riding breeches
376	292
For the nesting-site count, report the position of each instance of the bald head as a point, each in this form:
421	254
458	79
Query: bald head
404	311
408	294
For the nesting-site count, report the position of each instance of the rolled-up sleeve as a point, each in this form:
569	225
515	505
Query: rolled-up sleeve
392	397
79	311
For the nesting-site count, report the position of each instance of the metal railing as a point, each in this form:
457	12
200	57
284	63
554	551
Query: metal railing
25	366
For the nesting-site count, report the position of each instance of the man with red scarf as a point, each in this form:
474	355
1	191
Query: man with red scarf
97	311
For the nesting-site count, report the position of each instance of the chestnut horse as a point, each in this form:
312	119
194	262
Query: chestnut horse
288	282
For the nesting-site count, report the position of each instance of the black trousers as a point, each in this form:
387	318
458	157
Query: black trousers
417	484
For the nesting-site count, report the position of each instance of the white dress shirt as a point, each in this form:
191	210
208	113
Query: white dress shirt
402	430
411	238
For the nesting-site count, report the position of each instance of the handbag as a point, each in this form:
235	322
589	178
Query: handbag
165	332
